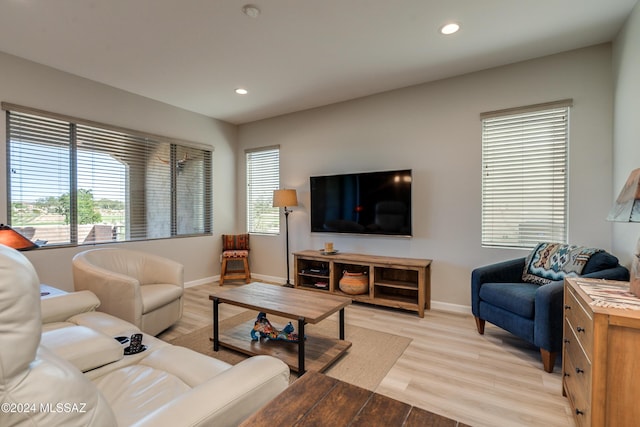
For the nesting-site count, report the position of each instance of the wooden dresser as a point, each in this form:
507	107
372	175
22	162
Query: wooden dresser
601	354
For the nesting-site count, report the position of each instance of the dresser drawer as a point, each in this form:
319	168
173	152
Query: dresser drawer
578	396
577	366
579	320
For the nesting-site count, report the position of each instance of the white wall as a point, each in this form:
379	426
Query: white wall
434	129
26	83
626	131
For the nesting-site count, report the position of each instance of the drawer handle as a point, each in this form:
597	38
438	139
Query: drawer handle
567	374
579	371
567	307
579	412
580	329
567	341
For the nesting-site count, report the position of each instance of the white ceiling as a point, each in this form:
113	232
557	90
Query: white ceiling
297	54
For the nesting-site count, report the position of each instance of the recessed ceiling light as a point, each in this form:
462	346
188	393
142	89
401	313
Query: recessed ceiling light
241	91
251	10
449	28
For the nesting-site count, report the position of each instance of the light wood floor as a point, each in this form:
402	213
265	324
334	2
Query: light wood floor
488	380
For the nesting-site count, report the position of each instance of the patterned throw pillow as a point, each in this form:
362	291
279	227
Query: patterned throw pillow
235	241
550	262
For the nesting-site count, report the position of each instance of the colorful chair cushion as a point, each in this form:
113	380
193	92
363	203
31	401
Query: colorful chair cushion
235	254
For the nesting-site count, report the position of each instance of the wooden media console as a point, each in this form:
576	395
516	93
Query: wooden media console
393	282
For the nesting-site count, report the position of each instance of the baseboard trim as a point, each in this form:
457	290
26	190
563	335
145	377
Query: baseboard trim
216	278
203	281
452	308
435	305
270	279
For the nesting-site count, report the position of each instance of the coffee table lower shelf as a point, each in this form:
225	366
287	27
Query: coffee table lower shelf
320	351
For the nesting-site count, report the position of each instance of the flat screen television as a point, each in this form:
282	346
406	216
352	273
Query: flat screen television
362	203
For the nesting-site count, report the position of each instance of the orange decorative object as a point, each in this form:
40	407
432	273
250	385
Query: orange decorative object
354	283
15	240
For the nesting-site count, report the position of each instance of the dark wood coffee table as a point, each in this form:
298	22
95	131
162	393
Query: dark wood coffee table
313	353
319	400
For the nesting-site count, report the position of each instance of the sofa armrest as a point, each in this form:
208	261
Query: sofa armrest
502	272
105	323
85	348
61	307
226	399
119	294
547	329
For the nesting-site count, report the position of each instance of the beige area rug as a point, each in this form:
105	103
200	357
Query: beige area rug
365	364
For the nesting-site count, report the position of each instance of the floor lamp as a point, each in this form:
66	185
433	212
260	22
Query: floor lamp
284	199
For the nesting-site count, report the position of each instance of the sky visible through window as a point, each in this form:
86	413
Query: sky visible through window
33	179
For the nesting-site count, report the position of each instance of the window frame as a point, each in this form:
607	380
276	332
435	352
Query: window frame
140	219
525	178
262	177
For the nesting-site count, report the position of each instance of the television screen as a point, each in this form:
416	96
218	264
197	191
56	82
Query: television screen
363	203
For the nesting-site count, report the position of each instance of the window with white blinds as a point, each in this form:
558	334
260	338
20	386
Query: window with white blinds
524	175
74	182
263	176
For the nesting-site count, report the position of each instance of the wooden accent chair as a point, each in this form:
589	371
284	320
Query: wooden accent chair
235	249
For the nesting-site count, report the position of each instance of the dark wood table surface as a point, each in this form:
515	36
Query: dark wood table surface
318	400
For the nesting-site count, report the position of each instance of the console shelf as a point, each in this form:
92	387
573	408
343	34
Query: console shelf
398	285
393	282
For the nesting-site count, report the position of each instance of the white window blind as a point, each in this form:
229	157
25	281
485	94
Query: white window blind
71	182
524	175
263	176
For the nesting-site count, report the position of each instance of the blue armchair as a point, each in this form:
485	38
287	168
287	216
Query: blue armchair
531	311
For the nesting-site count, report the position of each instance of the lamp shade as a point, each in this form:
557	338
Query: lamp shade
15	240
284	198
627	205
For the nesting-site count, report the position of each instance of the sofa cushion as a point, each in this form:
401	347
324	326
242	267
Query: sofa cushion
156	296
137	390
550	262
600	261
56	325
193	369
518	298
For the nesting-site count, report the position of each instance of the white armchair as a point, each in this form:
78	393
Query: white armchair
138	287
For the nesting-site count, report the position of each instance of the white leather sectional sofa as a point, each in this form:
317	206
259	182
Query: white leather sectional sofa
61	366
